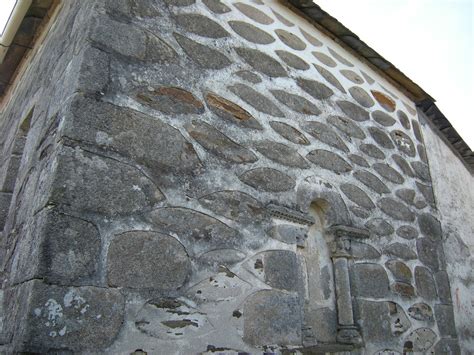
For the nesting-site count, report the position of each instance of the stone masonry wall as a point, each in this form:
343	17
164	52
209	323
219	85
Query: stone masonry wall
219	176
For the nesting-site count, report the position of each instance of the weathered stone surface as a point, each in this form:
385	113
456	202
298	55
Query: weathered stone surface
430	226
367	77
330	78
288	234
403	289
353	111
292	60
386	102
421	170
363	251
325	59
427	192
428	252
272	317
357	159
358	196
396	209
218	143
372	151
204	56
147	260
407	232
290	133
422	153
316	89
311	39
180	2
400	271
267	179
320	324
282	154
403	165
403	142
352	76
346	126
230	111
281	270
406	195
170	100
216	6
261	62
383	118
401	251
425	283
282	19
421	311
443	286
379	226
420	340
148	141
253	13
417	130
5	199
296	103
376	325
369	280
141	9
403	118
325	134
201	25
329	160
371	181
359	212
247	75
95	184
251	33
290	40
197	231
340	58
388	173
256	100
361	96
447	346
445	319
381	137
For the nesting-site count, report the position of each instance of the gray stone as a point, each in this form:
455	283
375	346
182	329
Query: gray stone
267	179
281	270
396	209
407	232
383	118
216	6
417	130
253	13
325	59
272	317
311	39
375	321
361	96
325	134
428	252
316	89
95	184
381	137
290	133
363	251
346	126
5	199
425	283
420	340
403	289
147	260
404	143
219	144
421	170
180	2
443	286
292	60
357	159
371	181
403	165
283	19
234	205
388	173
261	62
329	160
367	77
421	312
445	319
330	78
422	153
401	251
358	196
359	212
94	73
249	76
296	103
319	325
256	100
204	56
251	33
427	192
430	226
353	111
406	195
400	271
447	347
290	39
340	58
222	257
281	154
287	233
201	25
403	118
230	111
170	100
372	151
352	76
379	226
369	280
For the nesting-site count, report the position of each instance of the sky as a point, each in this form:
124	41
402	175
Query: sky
431	41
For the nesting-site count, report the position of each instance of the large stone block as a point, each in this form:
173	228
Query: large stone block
369	280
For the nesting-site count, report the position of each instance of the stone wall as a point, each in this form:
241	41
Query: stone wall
217	176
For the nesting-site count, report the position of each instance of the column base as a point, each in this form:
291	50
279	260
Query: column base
349	334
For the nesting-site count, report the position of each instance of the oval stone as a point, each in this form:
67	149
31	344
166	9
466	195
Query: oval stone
358	196
361	96
403	118
281	154
290	40
251	33
330	78
296	103
372	151
388	173
329	160
353	111
340	58
292	60
204	56
346	126
383	118
396	209
267	179
371	181
352	76
290	133
201	25
216	6
325	59
261	62
256	100
254	14
325	134
381	138
386	102
316	89
404	143
311	39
